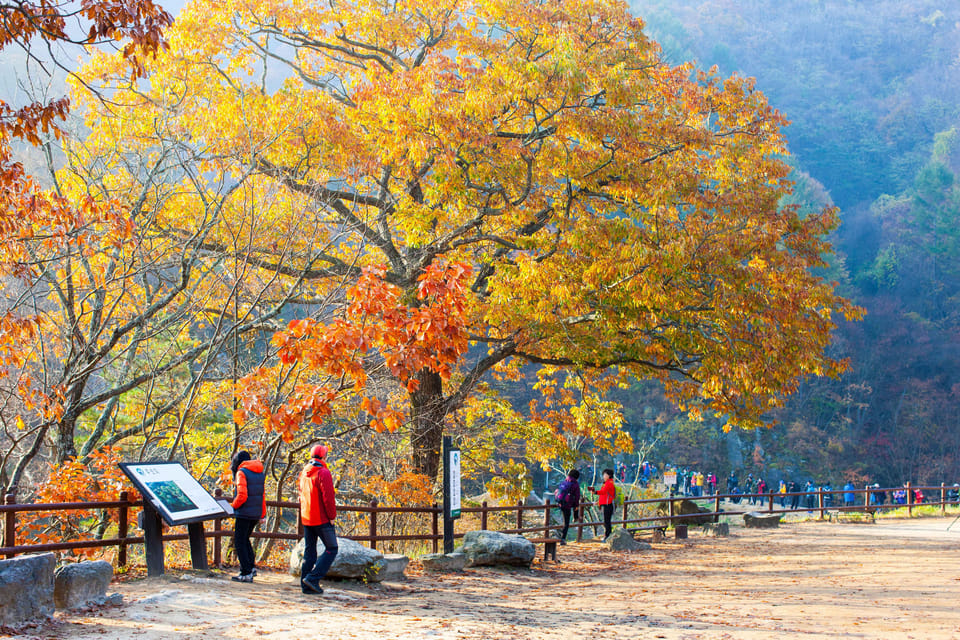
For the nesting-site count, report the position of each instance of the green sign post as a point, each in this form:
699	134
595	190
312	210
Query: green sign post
451	491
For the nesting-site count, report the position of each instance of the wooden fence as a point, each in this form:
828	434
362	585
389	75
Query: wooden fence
633	514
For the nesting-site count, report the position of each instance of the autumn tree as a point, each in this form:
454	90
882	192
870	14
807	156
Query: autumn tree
41	29
492	184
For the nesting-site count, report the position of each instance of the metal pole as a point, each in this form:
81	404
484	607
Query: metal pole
10	530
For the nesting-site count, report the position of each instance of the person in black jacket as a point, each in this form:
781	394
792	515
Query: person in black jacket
249	507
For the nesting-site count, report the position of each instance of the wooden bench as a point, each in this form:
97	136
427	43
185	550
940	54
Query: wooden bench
549	547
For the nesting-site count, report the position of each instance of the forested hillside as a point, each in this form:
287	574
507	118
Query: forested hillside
873	94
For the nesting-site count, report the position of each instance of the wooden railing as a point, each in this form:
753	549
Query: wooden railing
631	515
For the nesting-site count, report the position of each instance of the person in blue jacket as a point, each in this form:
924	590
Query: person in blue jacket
849	498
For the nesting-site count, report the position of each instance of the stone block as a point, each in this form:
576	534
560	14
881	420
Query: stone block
622	540
394	565
444	562
757	520
26	588
81	584
718	530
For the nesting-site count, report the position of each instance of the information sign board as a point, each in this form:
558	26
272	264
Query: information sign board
670	477
454	461
176	495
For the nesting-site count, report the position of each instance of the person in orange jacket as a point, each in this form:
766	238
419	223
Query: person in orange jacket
249	507
605	498
318	509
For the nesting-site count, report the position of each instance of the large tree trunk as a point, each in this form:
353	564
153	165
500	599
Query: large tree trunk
428	410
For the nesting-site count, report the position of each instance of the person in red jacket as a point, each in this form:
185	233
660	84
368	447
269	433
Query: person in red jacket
605	498
318	509
249	507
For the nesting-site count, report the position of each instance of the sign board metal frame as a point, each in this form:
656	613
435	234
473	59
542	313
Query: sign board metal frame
172	494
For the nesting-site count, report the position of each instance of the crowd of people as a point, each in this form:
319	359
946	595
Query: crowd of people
755	490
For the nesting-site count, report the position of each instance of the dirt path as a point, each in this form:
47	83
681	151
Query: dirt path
897	579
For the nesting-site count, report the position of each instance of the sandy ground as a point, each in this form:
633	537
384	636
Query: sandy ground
895	579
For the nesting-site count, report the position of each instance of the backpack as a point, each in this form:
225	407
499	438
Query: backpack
563	494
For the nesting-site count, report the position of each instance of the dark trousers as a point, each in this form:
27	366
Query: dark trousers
607	518
241	543
314	568
566	511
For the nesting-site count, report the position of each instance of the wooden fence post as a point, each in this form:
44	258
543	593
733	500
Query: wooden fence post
217	539
716	503
483	516
770	508
626	512
10	528
909	501
373	524
943	499
546	519
436	528
519	515
122	529
820	501
866	499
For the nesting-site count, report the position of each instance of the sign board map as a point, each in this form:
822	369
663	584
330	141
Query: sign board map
174	493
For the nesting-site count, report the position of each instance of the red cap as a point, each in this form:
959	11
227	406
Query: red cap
319	451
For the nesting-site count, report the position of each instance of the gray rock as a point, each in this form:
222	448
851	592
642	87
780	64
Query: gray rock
492	548
757	520
444	562
622	540
718	530
354	561
687	508
394	565
81	584
26	588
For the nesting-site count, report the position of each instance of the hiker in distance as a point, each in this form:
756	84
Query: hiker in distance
568	499
605	498
249	507
318	509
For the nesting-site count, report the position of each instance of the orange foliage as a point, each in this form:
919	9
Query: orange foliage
407	490
100	480
429	333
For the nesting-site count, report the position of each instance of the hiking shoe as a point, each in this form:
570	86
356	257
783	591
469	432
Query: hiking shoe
243	577
254	572
310	587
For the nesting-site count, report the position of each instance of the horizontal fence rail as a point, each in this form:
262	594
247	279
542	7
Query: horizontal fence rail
663	513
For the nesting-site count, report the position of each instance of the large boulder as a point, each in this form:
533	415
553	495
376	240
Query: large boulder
492	548
622	540
354	561
81	584
757	520
26	588
444	562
